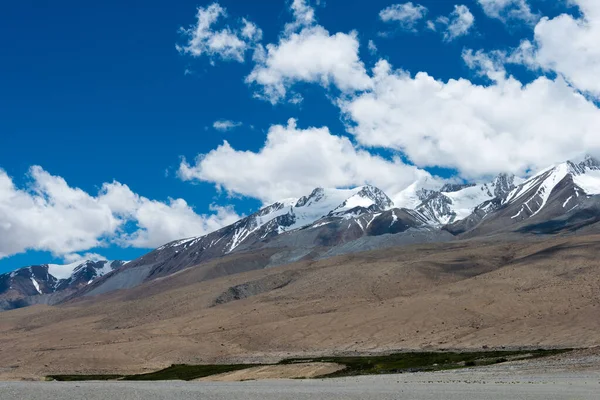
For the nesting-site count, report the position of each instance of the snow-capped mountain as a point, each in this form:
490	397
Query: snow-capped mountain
291	214
49	279
455	202
323	218
558	192
415	194
582	179
330	222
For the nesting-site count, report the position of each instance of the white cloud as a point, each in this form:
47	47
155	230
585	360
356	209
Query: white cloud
372	47
489	64
407	15
226	43
303	14
294	161
250	31
477	129
225	125
49	215
508	10
458	24
74	257
312	55
307	52
568	46
160	222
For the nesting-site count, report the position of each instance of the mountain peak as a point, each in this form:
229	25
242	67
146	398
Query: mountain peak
455	187
52	278
415	194
366	197
378	196
503	184
581	167
567	181
315	196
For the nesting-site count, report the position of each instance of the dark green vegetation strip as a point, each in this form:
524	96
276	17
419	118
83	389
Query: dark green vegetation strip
78	378
174	372
426	361
187	372
363	365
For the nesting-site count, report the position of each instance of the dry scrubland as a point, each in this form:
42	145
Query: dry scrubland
460	295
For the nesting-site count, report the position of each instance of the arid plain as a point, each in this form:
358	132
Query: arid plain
528	292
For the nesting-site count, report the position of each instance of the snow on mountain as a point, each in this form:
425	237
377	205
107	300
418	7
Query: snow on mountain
454	202
321	202
368	197
588	182
356	212
293	214
52	278
415	194
290	214
64	271
329	218
579	179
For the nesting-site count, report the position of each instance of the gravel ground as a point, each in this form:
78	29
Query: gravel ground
463	385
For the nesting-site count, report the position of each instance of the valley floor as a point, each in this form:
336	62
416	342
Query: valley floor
462	385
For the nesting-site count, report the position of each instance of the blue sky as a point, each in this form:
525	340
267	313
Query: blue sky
95	93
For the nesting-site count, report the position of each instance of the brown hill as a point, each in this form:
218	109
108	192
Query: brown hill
464	294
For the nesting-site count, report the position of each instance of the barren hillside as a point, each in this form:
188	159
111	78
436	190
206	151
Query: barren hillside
465	294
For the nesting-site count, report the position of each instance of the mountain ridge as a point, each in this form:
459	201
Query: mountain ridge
50	282
563	197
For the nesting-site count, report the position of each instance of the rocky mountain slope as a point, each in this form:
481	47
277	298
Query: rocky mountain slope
563	197
49	282
330	222
292	229
455	202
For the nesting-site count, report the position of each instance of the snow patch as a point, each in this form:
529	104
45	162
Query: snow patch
63	271
106	268
465	201
519	213
589	182
394	218
36	285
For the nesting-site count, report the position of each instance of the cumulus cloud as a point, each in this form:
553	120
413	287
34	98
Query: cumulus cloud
477	129
225	125
160	222
488	64
568	46
294	161
372	47
457	24
307	52
509	10
250	31
303	16
226	43
312	55
406	15
49	215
